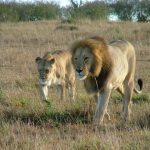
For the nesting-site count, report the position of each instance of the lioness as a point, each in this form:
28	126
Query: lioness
105	67
56	69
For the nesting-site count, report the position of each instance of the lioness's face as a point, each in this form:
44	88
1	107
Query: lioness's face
45	69
82	61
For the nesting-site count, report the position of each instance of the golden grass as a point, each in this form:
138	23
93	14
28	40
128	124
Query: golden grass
27	123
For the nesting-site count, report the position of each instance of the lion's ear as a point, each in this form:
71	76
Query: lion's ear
38	60
52	61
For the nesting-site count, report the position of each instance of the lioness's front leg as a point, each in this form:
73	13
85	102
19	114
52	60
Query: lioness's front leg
61	91
101	106
71	90
44	92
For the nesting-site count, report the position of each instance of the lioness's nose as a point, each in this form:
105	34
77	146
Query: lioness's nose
79	70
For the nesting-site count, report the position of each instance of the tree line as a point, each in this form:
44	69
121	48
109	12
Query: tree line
137	10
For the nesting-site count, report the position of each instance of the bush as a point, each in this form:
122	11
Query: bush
88	10
131	10
8	12
95	10
123	10
13	11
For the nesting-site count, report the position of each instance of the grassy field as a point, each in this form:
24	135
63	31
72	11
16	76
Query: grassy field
26	123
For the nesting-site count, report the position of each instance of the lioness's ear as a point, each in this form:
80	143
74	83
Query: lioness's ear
52	61
38	59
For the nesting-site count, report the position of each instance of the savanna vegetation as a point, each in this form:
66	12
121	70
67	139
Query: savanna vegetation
133	10
28	123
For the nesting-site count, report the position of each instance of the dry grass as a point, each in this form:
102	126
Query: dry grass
27	123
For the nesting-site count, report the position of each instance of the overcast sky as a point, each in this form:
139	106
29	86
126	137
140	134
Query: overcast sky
60	2
67	2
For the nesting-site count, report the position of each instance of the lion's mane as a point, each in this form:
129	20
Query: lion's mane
101	68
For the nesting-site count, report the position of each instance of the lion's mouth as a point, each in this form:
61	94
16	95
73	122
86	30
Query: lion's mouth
80	76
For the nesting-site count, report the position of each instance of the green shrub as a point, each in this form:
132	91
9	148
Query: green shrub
141	98
13	11
89	10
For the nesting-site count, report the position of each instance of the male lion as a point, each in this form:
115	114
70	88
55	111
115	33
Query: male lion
105	67
56	69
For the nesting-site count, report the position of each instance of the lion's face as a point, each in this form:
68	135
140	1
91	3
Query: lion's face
82	61
45	69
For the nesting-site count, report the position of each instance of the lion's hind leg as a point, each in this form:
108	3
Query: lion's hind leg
120	89
128	91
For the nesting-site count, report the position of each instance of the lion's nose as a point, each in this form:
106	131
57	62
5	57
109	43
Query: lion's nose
79	70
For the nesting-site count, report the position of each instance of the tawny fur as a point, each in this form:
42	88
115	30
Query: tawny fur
105	67
60	73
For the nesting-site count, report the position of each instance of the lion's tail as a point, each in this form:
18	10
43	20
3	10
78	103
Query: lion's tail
140	83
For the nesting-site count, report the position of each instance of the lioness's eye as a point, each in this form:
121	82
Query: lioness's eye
40	70
75	58
47	71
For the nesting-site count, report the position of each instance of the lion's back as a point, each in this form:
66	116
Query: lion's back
123	57
124	46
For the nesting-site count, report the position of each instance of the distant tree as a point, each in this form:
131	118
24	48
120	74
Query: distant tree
13	11
74	9
142	11
75	4
90	10
95	10
38	11
123	9
131	9
8	12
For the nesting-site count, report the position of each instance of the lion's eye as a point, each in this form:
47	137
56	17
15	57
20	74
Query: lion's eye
46	71
86	59
75	58
40	70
